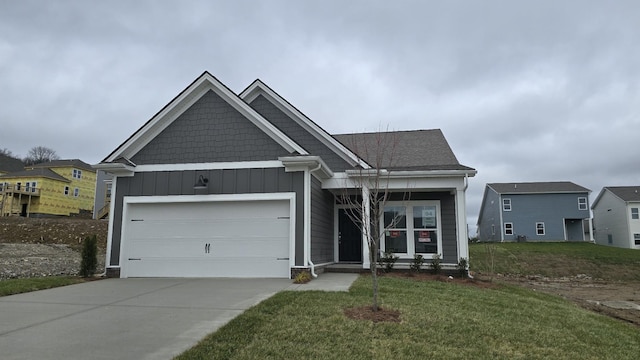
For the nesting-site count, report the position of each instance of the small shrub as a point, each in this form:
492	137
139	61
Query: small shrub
303	277
89	261
417	263
388	260
436	264
463	267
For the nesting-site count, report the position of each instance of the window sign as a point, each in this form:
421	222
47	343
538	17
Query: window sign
429	217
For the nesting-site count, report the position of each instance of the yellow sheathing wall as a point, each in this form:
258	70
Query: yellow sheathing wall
86	186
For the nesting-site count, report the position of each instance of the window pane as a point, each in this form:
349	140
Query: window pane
636	238
426	241
634	213
424	217
395	217
396	241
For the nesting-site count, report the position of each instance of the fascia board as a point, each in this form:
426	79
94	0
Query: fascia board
117	169
258	87
187	98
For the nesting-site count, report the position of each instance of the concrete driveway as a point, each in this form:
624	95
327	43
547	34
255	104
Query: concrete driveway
124	318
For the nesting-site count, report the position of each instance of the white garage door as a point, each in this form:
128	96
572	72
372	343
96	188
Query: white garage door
207	239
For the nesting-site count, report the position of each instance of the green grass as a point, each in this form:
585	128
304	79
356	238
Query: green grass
439	320
556	260
17	286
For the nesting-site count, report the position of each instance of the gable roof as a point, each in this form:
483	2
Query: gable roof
9	164
537	187
258	88
404	150
204	83
34	173
75	163
624	193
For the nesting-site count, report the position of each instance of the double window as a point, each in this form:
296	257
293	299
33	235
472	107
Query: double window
506	204
66	190
508	228
634	214
539	228
412	228
77	174
582	203
30	186
636	239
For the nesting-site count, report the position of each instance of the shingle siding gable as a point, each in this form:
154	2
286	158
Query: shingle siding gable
211	130
296	132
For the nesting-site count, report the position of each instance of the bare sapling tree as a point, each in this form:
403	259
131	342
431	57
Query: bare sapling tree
40	154
367	192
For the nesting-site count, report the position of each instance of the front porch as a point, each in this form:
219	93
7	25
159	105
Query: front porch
16	200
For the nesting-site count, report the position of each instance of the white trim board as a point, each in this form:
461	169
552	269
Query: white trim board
211	166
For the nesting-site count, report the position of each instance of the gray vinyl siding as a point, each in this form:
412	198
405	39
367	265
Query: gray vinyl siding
448	220
490	216
322	242
611	218
230	181
211	130
298	134
551	209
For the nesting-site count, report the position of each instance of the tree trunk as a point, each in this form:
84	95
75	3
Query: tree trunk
374	276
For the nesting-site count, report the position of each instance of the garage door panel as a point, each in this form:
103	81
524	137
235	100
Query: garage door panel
245	239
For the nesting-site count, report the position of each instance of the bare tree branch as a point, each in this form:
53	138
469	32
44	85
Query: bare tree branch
40	154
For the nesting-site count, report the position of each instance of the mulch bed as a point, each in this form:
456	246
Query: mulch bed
366	313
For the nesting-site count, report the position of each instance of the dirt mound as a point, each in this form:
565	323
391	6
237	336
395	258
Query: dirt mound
61	231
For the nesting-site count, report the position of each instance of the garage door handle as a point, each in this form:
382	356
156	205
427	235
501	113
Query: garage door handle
135	259
282	258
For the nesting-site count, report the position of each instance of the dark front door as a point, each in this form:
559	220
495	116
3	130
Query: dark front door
349	239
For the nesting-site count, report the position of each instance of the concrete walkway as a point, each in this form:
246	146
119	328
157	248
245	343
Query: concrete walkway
132	318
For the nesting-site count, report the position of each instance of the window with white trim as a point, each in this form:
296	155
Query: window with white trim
506	204
66	190
634	214
493	229
636	239
412	228
76	192
539	228
77	174
508	228
582	203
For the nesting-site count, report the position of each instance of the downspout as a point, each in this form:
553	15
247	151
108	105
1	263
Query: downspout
312	266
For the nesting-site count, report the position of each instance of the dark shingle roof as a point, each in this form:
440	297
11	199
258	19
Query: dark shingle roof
626	193
38	172
9	164
403	150
76	163
537	187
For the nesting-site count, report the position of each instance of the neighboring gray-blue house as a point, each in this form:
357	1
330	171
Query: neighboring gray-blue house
535	211
219	184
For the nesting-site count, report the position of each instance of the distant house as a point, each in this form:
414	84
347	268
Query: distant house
616	216
102	204
534	211
60	187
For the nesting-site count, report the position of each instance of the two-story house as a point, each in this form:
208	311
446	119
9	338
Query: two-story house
534	211
60	187
616	216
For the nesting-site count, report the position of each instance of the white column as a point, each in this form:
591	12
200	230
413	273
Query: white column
461	224
366	227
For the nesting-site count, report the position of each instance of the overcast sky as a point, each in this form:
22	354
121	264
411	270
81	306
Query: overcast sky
523	90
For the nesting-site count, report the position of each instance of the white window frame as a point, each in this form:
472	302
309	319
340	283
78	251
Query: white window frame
539	226
635	213
510	228
636	239
76	192
506	204
77	174
410	230
583	204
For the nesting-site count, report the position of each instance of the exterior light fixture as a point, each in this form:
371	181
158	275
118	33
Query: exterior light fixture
201	183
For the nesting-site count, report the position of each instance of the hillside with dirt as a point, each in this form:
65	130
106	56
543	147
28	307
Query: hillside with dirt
47	247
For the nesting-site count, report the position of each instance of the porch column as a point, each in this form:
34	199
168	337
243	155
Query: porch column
366	227
461	224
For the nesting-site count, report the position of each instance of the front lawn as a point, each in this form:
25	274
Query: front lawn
17	286
439	320
556	259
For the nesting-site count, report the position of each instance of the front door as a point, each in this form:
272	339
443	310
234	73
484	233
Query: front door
349	239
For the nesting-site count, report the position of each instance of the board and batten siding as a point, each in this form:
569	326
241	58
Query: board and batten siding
321	223
227	181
